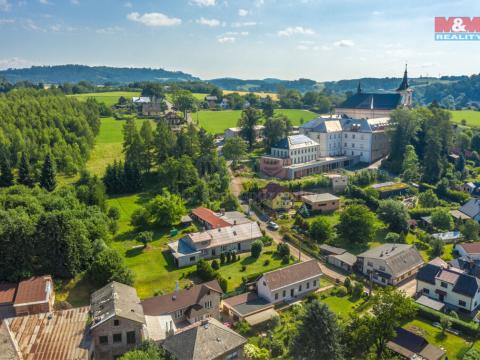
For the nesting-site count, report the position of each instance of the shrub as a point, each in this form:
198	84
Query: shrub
256	249
357	290
242	327
215	265
243	268
266	262
223	283
266	240
229	257
348	284
432	315
114	213
222	258
283	250
205	270
342	291
285	259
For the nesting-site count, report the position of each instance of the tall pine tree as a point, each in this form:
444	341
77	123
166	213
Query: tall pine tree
6	176
48	178
25	172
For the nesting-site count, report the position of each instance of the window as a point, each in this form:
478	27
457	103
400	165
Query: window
308	285
462	303
382	268
117	338
178	314
444	284
300	288
369	264
116	322
314	283
131	338
284	293
208	304
103	340
192	258
232	356
276	296
426	291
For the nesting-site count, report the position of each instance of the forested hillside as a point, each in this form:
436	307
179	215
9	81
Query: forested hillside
38	122
96	74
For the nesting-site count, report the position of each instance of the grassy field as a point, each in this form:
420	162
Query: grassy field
342	306
109	98
274	96
108	146
471	117
452	344
216	122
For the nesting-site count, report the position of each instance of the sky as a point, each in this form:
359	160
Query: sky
250	39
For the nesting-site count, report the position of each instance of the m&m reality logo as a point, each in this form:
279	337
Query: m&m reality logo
459	28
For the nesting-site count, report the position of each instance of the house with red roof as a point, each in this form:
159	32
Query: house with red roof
208	218
31	296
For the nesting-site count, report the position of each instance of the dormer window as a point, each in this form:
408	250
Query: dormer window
116	322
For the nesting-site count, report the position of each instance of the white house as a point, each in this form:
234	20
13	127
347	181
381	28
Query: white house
290	282
449	285
211	243
327	132
390	264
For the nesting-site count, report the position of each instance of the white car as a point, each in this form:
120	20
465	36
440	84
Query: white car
272	225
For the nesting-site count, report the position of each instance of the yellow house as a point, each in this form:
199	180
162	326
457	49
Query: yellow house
276	197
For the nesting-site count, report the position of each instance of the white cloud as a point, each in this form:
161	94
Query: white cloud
377	13
153	19
44	2
242	12
295	30
6	21
75	2
208	22
344	43
204	2
235	33
243	24
5	5
14	63
226	40
109	30
128	4
259	3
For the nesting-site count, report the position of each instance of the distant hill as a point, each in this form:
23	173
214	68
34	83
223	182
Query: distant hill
265	85
98	75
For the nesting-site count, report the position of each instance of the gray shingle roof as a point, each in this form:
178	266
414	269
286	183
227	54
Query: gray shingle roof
203	341
116	299
292	274
471	208
400	258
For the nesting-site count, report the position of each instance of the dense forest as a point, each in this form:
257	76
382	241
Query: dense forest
265	85
37	122
61	233
98	75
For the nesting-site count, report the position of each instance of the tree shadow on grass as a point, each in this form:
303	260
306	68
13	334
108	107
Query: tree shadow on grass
440	336
248	260
134	251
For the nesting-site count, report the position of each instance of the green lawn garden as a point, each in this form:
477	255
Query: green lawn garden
216	122
471	117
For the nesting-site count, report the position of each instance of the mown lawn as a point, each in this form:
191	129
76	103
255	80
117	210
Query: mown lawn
342	306
471	117
109	98
108	145
216	122
452	344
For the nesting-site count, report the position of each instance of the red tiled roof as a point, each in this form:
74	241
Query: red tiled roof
210	217
471	248
7	293
166	304
32	290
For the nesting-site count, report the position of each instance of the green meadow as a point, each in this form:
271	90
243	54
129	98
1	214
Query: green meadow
216	122
471	117
109	98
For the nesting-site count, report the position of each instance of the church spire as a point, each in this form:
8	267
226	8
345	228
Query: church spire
404	85
359	88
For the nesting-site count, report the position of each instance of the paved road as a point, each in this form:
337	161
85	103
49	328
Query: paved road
236	189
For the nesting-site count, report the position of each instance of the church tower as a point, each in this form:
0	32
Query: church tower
405	90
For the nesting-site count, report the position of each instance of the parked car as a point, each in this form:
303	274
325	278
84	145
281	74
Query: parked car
272	225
